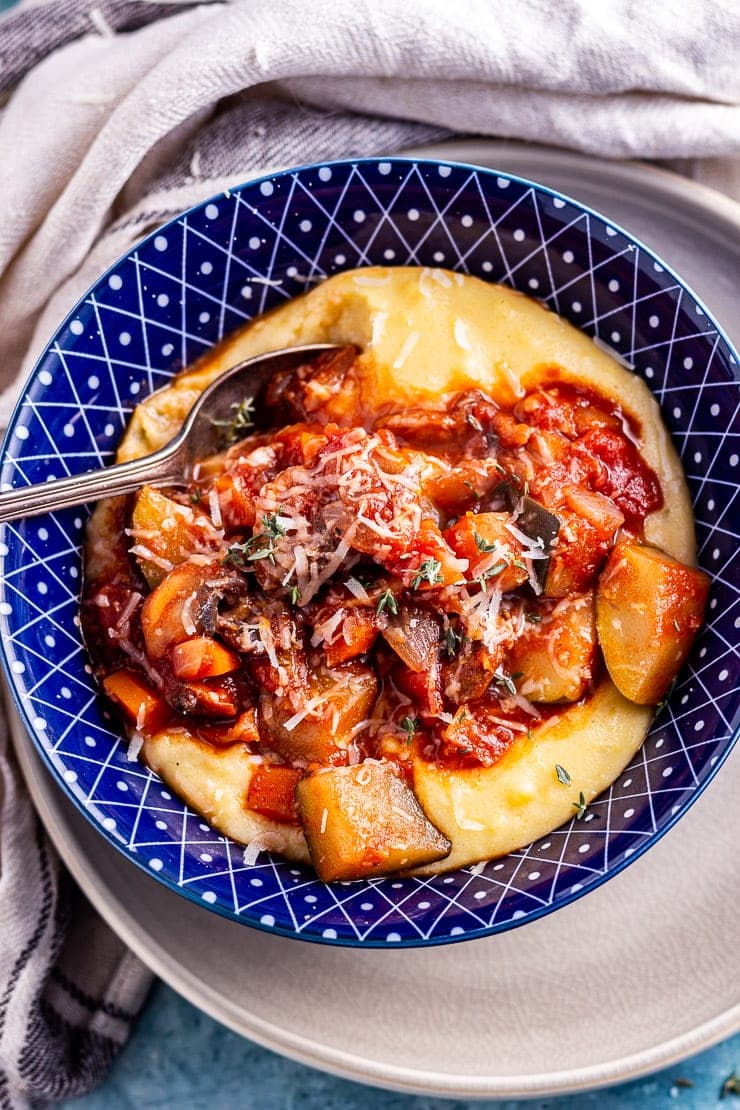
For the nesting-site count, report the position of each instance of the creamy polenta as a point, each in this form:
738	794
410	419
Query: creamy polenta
419	610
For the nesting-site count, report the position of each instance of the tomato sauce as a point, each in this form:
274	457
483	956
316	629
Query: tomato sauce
369	579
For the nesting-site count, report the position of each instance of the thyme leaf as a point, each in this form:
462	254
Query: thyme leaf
241	421
409	725
562	774
387	600
580	806
483	545
429	571
506	681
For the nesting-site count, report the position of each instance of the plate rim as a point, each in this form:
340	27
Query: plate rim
47	795
645	1062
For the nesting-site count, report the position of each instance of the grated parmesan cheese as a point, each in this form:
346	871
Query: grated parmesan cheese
462	338
136	742
407	347
357	589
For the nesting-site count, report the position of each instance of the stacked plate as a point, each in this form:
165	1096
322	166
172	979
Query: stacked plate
627	980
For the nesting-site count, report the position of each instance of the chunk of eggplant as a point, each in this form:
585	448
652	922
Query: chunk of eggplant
554	658
364	820
536	522
349	694
649	608
413	633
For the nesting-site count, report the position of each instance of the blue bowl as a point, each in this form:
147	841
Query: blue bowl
207	272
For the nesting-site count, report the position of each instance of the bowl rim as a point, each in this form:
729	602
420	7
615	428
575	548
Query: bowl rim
88	808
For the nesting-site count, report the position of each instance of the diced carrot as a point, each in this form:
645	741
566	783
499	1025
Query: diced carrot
271	792
309	443
484	540
140	704
203	657
430	562
241	731
170	612
236	500
358	634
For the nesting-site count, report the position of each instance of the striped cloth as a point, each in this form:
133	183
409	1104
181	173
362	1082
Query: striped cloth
117	114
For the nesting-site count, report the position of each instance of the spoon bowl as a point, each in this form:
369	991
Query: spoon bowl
200	436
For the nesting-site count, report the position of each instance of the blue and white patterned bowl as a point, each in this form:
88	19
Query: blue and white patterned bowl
209	271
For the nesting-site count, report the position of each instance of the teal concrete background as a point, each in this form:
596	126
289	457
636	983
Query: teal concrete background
178	1057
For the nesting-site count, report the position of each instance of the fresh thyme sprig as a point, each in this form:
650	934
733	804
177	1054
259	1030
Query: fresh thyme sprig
260	546
429	571
409	725
387	600
507	681
580	806
241	421
483	545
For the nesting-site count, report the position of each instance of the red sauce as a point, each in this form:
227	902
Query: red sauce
393	642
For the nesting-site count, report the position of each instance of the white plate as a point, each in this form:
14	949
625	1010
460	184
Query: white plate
639	974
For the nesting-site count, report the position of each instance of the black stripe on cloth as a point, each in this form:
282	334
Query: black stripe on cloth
47	901
41	924
5	1100
93	1005
60	1060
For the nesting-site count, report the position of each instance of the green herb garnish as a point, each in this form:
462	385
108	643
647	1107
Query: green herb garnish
409	725
387	600
453	640
507	681
562	774
483	545
238	553
260	546
295	595
580	806
429	571
241	421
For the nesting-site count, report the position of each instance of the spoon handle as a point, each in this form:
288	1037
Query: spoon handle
158	469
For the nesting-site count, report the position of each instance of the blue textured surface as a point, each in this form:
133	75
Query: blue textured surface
207	272
180	1057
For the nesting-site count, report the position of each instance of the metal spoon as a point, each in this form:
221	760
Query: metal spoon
200	436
